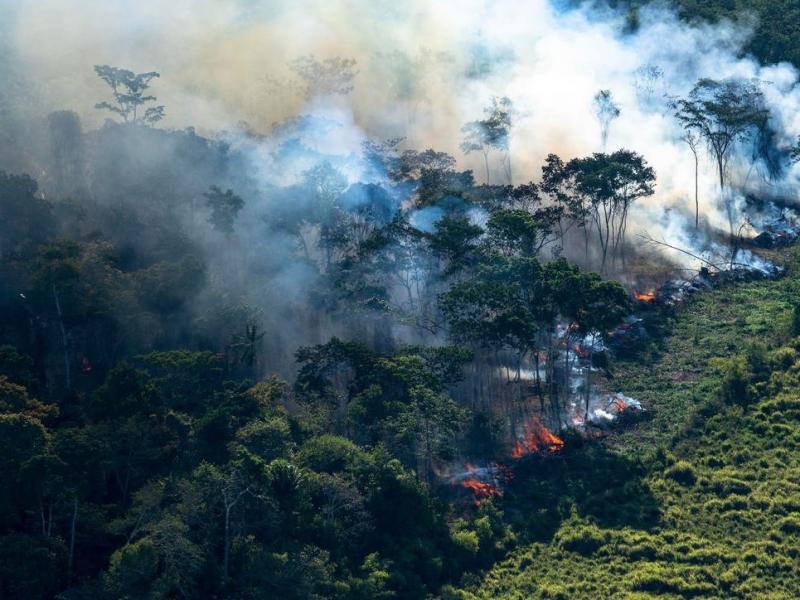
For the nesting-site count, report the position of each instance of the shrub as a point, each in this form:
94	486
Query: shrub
467	542
735	382
585	540
682	472
790	524
554	592
727	486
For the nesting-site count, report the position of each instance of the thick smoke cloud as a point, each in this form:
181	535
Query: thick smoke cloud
425	68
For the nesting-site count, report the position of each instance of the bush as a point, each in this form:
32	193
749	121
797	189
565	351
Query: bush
585	540
554	592
682	472
790	525
728	486
467	542
735	382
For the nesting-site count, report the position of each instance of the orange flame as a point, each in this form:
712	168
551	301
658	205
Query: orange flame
619	404
649	296
538	438
481	490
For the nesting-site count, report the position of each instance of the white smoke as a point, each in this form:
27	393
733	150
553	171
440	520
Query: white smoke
425	68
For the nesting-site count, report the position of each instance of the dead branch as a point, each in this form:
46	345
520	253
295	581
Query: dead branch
648	239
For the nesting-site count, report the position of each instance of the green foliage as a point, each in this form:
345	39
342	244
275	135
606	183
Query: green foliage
735	382
682	472
722	477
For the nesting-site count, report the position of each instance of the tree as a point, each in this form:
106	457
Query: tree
610	183
723	113
162	563
606	110
224	207
246	345
327	77
26	220
455	243
517	232
491	133
573	204
693	141
647	76
507	304
431	420
226	486
593	306
67	150
128	89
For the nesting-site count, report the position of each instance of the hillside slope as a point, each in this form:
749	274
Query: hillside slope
700	500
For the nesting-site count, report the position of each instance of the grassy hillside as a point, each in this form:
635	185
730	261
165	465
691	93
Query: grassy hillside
701	500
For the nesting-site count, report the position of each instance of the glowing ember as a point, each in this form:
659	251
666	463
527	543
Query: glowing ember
649	296
538	439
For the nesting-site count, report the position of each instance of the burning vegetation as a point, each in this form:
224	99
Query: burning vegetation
537	440
397	305
483	482
647	297
488	482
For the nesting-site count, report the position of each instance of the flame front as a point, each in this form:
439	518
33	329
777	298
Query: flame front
649	296
538	439
481	490
483	482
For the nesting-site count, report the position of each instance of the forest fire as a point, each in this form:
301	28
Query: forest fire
648	297
481	490
483	482
616	408
538	439
488	482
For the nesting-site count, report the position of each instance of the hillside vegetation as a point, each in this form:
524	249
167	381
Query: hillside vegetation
708	503
775	23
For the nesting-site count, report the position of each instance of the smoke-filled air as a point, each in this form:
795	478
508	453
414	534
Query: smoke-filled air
369	299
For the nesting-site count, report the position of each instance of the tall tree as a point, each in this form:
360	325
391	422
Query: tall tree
693	141
606	110
611	182
593	306
491	133
723	113
224	207
128	89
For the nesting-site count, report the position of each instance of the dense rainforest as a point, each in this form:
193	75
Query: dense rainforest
275	362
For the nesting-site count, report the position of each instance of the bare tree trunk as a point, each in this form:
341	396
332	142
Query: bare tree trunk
588	382
226	550
538	380
696	191
71	559
486	164
68	379
41	518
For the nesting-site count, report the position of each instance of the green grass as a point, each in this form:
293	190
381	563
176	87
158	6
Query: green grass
701	499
